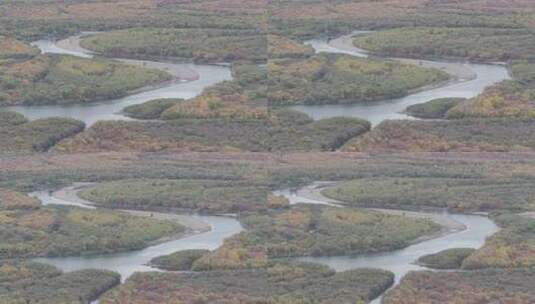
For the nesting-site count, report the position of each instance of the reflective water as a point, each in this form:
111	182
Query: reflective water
106	110
399	262
375	112
477	229
129	262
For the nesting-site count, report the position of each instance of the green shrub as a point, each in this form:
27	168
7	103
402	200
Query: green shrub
479	44
199	44
455	194
492	285
434	109
207	196
151	109
8	118
280	283
29	282
216	135
180	260
37	135
62	79
313	231
505	134
336	78
513	246
446	259
70	231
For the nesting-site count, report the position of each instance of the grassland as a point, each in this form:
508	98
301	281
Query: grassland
454	194
313	231
446	259
476	44
280	283
62	79
28	230
470	287
465	135
206	196
28	282
19	135
215	135
333	79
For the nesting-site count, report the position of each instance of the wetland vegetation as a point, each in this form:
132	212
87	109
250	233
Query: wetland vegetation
465	135
20	135
227	149
446	259
62	79
455	194
433	109
279	283
29	230
477	44
335	78
313	231
468	286
207	196
215	135
180	260
200	45
30	282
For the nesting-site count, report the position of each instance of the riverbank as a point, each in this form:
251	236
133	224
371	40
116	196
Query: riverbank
459	231
311	194
204	232
189	80
179	72
398	261
459	70
469	80
70	195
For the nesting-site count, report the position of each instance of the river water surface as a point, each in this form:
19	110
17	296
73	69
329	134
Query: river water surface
460	231
191	80
129	262
464	230
470	80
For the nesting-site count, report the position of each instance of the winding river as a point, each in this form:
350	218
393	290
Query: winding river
190	80
206	232
469	80
459	230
